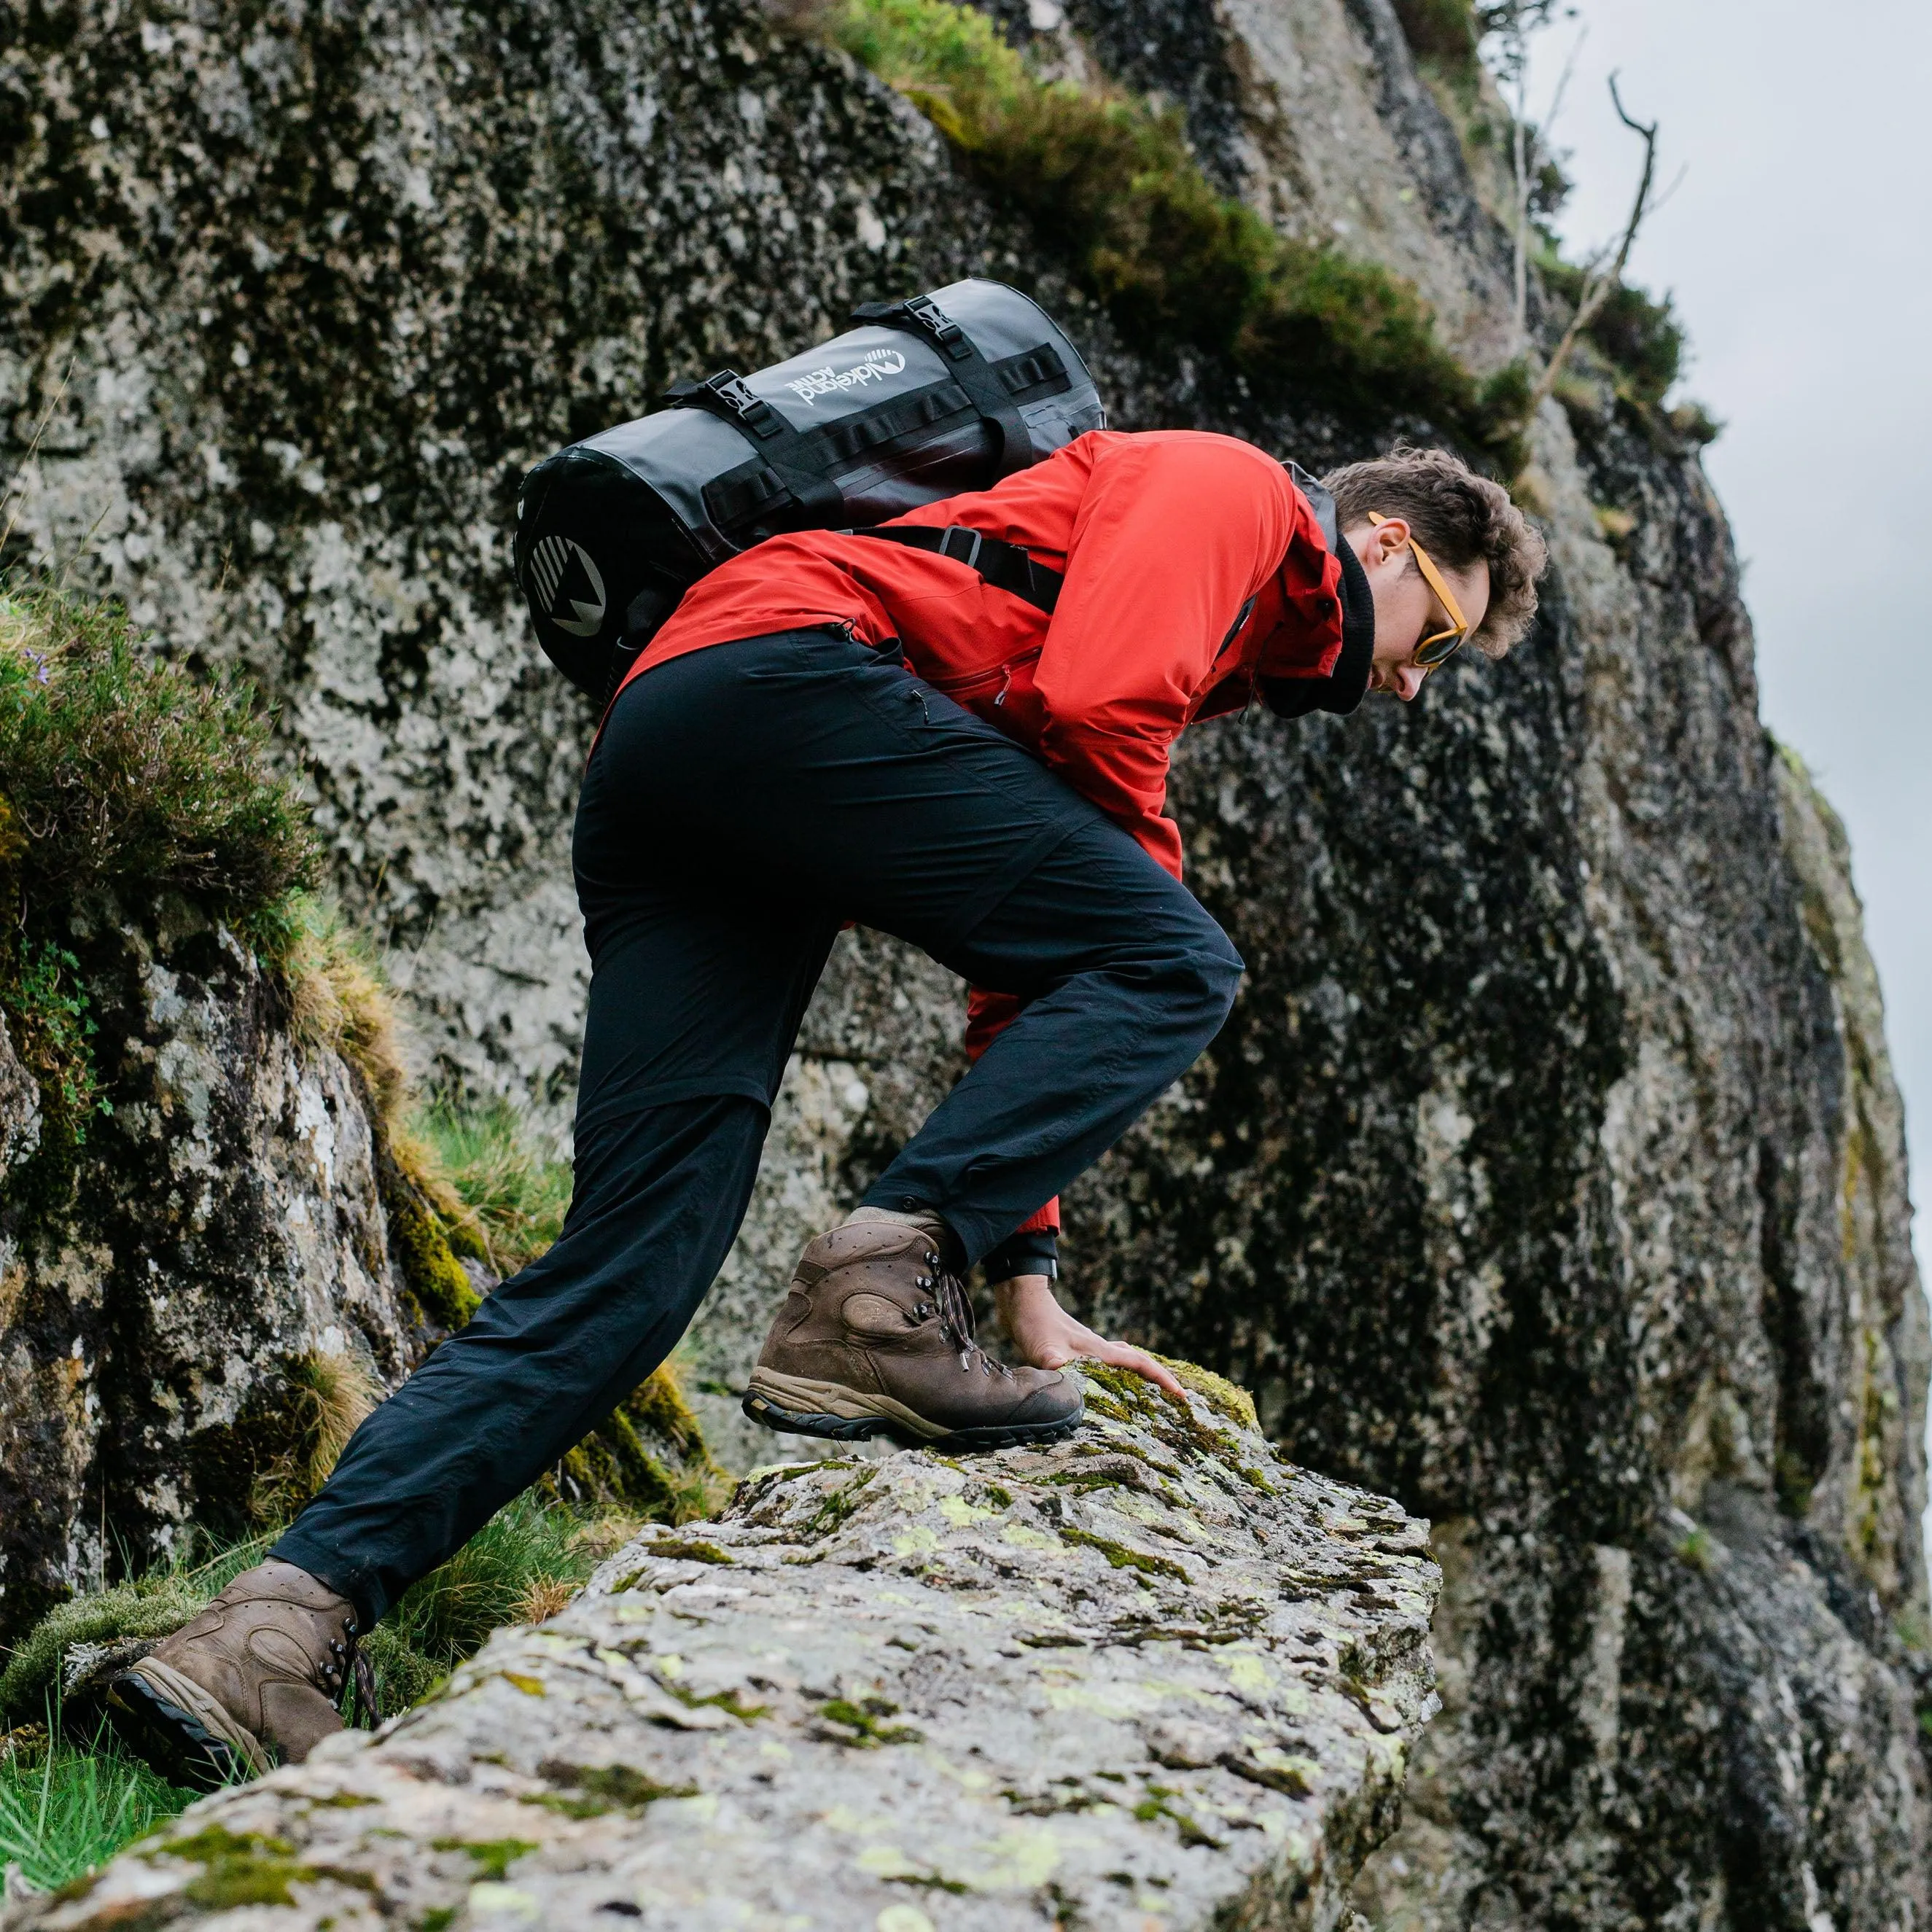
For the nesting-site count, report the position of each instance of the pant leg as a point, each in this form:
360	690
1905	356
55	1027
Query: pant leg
695	996
811	767
659	1196
1126	978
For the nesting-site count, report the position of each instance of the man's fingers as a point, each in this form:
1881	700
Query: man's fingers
1120	1355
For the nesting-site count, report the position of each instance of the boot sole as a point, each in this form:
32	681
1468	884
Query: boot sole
171	1722
800	1407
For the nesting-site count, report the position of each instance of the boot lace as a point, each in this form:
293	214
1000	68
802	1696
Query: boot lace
956	1321
349	1661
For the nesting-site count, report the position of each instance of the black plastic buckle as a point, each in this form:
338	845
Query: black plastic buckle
729	389
933	321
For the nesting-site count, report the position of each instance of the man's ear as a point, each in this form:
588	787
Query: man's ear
1375	543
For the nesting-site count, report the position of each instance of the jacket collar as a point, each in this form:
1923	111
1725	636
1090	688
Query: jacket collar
1343	688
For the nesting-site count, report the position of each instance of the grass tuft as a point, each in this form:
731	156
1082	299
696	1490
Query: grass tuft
69	1808
511	1195
530	1557
1108	178
118	768
116	765
327	1397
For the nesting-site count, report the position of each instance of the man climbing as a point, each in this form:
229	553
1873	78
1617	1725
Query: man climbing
837	727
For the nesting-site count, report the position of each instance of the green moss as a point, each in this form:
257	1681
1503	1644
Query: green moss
437	1919
615	1784
418	1236
1108	179
839	1507
494	1857
1225	1397
247	1868
617	1465
1696	1550
1172	1422
568	1807
673	1547
1156	1805
1122	1557
862	1722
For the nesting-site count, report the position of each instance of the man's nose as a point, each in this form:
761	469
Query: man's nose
1408	681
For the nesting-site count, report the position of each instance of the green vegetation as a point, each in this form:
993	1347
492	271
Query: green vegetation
118	768
1120	1557
70	1799
493	1859
1443	34
1109	180
65	1808
860	1725
525	1564
511	1196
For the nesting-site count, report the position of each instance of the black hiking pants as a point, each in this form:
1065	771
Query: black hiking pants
743	802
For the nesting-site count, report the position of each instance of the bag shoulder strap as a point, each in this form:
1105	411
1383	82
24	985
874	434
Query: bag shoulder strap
1004	565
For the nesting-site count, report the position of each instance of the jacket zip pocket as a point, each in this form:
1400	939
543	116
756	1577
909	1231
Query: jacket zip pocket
997	679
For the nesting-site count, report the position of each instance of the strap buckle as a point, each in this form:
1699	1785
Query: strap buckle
933	322
970	556
727	394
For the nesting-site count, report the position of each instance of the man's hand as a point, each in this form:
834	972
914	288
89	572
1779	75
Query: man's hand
1044	1334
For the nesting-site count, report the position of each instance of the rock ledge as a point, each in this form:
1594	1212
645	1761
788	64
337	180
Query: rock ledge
1153	1677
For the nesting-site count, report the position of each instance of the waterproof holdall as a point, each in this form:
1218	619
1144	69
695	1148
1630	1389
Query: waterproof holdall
923	399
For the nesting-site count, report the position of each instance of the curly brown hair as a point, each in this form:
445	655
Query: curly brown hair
1458	516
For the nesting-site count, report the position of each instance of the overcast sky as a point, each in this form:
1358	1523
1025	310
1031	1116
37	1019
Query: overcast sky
1799	250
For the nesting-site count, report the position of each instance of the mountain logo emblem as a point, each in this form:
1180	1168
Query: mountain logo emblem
569	587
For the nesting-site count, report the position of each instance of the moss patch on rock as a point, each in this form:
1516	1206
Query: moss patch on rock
1109	180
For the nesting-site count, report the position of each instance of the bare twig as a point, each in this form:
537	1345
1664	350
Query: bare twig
1599	281
33	450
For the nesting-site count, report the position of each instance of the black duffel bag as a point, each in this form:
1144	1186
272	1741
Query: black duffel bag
925	398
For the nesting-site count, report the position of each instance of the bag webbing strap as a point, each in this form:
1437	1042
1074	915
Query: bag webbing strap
920	315
728	396
1004	565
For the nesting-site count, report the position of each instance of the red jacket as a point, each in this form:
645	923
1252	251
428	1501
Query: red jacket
1162	537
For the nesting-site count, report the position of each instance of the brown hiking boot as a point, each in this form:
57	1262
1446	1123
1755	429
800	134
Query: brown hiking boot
877	1335
251	1682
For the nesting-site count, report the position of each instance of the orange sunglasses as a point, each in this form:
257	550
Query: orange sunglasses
1427	656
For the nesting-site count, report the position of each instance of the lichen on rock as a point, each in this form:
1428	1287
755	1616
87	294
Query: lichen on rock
1151	1672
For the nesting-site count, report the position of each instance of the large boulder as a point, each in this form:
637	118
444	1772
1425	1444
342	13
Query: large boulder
1153	1675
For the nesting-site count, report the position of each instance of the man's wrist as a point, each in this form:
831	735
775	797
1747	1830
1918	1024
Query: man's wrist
1031	1251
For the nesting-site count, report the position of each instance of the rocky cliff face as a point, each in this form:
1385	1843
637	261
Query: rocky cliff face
1548	1174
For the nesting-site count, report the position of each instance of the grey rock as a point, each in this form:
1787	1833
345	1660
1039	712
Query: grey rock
1152	1676
20	1104
223	1225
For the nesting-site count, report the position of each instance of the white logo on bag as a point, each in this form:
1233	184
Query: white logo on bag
877	365
562	572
